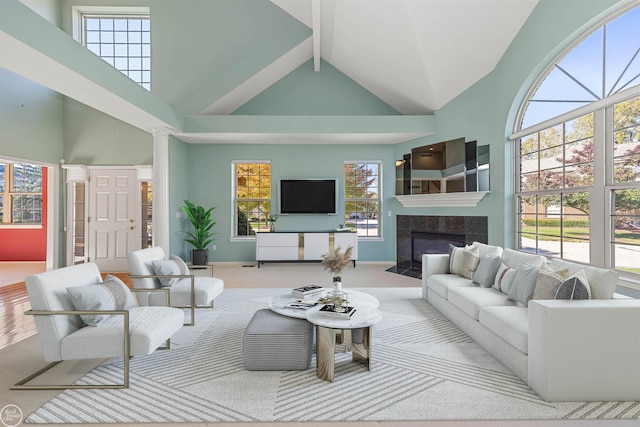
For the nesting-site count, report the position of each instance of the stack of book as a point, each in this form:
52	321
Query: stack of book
309	292
328	311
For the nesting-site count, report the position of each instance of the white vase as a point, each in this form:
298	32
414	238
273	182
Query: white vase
337	284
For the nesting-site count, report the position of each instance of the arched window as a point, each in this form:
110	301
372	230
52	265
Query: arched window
578	152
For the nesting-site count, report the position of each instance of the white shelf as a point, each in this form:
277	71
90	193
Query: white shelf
461	199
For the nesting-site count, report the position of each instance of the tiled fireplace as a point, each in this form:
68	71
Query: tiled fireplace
418	234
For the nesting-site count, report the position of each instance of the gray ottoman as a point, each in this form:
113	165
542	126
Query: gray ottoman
273	342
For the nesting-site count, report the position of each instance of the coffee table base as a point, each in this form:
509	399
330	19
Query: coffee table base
359	345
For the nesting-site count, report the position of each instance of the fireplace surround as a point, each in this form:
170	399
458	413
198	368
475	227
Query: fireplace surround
415	233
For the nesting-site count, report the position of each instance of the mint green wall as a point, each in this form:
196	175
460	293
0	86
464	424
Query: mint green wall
48	9
94	138
486	111
331	93
30	120
210	180
218	44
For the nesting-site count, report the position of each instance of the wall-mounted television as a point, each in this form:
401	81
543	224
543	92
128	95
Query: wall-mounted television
308	196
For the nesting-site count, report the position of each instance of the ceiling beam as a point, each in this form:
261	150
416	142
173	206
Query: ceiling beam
315	23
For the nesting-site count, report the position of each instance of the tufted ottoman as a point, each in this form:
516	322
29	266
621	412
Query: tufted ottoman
273	342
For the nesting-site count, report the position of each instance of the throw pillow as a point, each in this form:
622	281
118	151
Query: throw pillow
485	274
524	284
108	295
504	279
130	300
487	249
451	249
575	287
548	282
464	261
182	266
166	267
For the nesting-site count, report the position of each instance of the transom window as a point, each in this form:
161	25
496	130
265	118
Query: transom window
578	160
20	193
362	198
252	197
122	40
605	63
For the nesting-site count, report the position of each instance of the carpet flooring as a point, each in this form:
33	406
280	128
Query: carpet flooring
424	368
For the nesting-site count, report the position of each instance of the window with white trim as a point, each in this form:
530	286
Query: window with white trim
20	193
123	40
578	170
251	197
362	181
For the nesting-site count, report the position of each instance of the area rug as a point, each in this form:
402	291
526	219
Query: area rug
424	368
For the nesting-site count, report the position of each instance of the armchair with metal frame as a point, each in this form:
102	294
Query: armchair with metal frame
64	336
196	292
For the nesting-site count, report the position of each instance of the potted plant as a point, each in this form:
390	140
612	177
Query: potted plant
202	235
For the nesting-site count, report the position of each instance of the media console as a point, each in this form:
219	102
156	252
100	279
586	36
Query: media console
302	245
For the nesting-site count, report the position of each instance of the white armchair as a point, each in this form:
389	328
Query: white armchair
188	292
62	331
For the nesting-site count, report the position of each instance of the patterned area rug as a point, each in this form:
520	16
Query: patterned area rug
424	368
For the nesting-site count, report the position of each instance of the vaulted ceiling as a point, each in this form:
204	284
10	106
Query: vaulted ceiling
416	55
413	55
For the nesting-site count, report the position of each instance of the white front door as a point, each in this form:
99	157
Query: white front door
113	217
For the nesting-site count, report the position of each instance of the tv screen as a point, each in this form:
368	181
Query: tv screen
308	196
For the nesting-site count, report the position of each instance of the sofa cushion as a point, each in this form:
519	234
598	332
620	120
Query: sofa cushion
206	290
575	287
509	323
504	279
602	281
473	299
484	250
149	328
514	259
463	261
486	272
443	283
548	282
524	284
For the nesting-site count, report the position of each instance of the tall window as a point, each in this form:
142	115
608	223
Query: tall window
20	193
578	153
124	41
362	198
252	197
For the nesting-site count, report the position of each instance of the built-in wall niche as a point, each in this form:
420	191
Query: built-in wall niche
450	166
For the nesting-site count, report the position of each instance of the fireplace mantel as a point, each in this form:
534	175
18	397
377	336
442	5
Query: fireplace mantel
461	199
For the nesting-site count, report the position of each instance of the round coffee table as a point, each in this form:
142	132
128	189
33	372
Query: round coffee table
361	301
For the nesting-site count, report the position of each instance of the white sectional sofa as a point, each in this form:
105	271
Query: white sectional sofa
566	350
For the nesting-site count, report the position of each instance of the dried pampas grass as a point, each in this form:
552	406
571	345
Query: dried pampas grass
335	261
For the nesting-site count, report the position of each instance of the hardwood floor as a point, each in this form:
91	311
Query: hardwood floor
15	327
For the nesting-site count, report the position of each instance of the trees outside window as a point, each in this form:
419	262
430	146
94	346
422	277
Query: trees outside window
252	197
578	152
362	198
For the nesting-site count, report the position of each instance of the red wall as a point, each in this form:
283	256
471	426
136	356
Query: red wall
27	245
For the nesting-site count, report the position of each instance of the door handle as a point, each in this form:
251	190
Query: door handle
132	227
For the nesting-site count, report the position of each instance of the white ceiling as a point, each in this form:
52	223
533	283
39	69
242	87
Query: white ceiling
416	55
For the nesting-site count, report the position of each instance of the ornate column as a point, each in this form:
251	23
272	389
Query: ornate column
161	189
